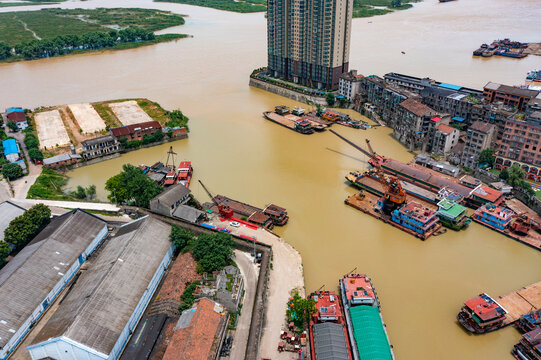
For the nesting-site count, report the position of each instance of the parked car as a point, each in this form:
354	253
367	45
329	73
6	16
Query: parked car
235	223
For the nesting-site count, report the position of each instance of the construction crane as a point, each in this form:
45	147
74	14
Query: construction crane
224	210
394	193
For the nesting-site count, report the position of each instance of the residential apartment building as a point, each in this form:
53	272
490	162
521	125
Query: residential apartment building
349	84
521	145
444	139
410	83
100	146
508	95
534	104
479	137
308	41
413	124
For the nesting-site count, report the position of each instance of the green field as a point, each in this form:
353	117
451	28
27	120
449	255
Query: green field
53	32
361	8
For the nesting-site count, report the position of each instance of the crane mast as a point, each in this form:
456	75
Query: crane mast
224	210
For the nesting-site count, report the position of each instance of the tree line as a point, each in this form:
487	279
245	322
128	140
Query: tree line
65	44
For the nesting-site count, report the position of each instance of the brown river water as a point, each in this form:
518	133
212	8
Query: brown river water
237	153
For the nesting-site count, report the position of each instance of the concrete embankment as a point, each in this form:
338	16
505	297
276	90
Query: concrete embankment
288	93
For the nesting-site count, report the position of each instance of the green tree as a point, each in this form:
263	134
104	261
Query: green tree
31	141
80	193
516	175
330	99
35	154
12	126
396	3
504	174
5	51
24	228
132	186
181	237
486	157
12	171
213	251
91	191
300	310
5	250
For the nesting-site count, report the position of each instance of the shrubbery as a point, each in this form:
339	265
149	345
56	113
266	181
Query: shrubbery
131	186
24	228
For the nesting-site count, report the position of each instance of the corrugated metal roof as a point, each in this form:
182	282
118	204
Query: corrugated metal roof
10	147
187	213
450	86
8	212
37	268
58	158
104	297
371	339
172	195
330	341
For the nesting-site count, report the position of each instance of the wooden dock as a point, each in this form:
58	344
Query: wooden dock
520	302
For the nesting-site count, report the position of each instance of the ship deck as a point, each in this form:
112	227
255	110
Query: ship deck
532	239
520	302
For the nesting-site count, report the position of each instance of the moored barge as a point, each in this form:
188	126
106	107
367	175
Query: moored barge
367	334
481	314
529	347
452	215
328	333
528	322
185	171
302	126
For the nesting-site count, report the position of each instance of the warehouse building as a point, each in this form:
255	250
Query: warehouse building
98	316
36	275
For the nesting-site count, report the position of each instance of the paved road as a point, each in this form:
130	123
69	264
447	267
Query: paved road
21	185
250	272
70	204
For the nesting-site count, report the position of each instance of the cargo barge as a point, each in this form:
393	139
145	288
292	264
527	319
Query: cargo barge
328	333
505	221
529	321
303	127
305	124
367	331
529	347
505	47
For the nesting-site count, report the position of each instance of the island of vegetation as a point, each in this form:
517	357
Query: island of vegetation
52	32
361	8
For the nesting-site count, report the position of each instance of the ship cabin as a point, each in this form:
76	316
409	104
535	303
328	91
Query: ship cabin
482	314
184	171
281	110
529	321
452	214
277	214
358	290
415	217
328	308
304	126
494	216
170	178
298	111
529	347
330	116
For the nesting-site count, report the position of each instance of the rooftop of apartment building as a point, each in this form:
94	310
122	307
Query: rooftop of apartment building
445	128
416	107
351	76
482	127
511	90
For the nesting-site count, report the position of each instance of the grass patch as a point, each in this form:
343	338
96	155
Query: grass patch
154	110
49	186
247	6
107	115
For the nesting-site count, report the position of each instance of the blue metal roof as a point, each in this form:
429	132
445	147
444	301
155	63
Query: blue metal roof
458	118
10	147
450	86
14	109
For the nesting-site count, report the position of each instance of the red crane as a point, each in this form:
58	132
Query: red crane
391	185
224	210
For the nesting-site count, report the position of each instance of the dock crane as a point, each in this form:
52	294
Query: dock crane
394	194
224	210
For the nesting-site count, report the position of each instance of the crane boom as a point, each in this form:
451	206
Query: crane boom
352	143
208	193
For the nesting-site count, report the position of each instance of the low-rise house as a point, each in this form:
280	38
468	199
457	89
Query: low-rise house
12	152
136	131
170	199
8	212
100	146
502	187
199	332
224	286
479	137
349	84
61	160
37	274
99	314
483	194
190	214
470	181
18	116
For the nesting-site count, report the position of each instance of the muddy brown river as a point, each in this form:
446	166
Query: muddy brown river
237	153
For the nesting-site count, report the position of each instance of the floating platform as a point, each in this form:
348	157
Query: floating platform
532	239
520	302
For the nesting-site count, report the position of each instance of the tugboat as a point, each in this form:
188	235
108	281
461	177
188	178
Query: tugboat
185	172
363	318
481	314
328	333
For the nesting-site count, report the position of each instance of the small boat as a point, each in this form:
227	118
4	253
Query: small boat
444	1
170	178
298	111
403	52
534	75
185	172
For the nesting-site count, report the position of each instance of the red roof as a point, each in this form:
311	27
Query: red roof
16	116
436	119
484	309
445	128
358	286
487	193
327	306
331	113
201	338
130	129
416	107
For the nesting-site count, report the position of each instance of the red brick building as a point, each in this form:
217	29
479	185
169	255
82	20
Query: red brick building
508	95
136	131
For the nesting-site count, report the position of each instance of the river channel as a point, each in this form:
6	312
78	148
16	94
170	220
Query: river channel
421	285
